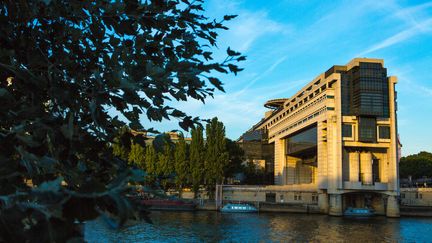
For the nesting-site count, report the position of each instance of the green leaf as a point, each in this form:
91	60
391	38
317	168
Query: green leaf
229	17
232	53
217	83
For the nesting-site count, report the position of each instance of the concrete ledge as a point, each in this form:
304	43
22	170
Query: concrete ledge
288	208
416	211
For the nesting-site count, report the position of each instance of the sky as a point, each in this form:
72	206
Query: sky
290	42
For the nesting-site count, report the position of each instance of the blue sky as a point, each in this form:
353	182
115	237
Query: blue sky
289	42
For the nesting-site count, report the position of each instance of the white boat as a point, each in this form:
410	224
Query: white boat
359	212
238	208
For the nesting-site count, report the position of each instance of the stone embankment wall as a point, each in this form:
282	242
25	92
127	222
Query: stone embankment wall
416	202
416	197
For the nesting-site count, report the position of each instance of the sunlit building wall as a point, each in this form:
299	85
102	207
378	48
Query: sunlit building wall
338	135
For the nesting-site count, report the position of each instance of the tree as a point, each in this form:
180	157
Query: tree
165	165
63	66
416	165
122	143
197	152
236	158
217	157
181	163
254	175
151	160
137	156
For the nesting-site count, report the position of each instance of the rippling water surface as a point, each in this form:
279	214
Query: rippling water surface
214	226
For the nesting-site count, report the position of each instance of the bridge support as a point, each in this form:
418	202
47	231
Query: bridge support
335	207
392	207
323	202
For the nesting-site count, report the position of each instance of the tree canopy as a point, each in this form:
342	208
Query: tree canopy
416	165
66	67
216	156
197	153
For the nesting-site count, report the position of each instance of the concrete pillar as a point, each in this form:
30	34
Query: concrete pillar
322	178
366	167
291	166
392	207
280	166
354	166
323	202
335	207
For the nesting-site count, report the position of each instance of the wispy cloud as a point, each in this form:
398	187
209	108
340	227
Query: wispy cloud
249	27
263	74
412	16
418	28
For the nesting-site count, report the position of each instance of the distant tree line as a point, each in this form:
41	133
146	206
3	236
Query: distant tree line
176	165
416	165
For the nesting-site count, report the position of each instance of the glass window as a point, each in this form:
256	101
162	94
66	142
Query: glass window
367	129
384	132
305	140
347	130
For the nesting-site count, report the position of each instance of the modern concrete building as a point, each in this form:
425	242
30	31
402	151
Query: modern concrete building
337	138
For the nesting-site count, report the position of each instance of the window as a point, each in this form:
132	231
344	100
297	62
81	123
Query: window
384	132
367	129
347	131
402	195
314	198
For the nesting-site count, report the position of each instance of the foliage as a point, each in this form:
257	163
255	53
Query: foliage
151	161
197	152
254	175
416	165
236	158
63	66
181	163
165	166
137	156
217	156
122	143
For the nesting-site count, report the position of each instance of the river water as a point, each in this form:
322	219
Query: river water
209	226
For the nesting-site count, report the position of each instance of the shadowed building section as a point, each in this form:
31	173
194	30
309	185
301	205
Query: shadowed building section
338	135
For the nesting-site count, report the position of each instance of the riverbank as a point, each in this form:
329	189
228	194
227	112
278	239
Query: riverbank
405	211
416	211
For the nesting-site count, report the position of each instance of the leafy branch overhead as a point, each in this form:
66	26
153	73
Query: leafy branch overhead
65	68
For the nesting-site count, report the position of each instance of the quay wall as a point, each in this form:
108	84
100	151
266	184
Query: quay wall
413	201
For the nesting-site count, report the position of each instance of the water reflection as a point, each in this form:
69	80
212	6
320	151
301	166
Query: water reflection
213	226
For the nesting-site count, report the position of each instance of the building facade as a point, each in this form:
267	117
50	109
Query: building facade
337	137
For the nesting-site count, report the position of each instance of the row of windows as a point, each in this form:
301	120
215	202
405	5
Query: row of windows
298	197
365	91
299	122
368	132
371	65
298	104
319	100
